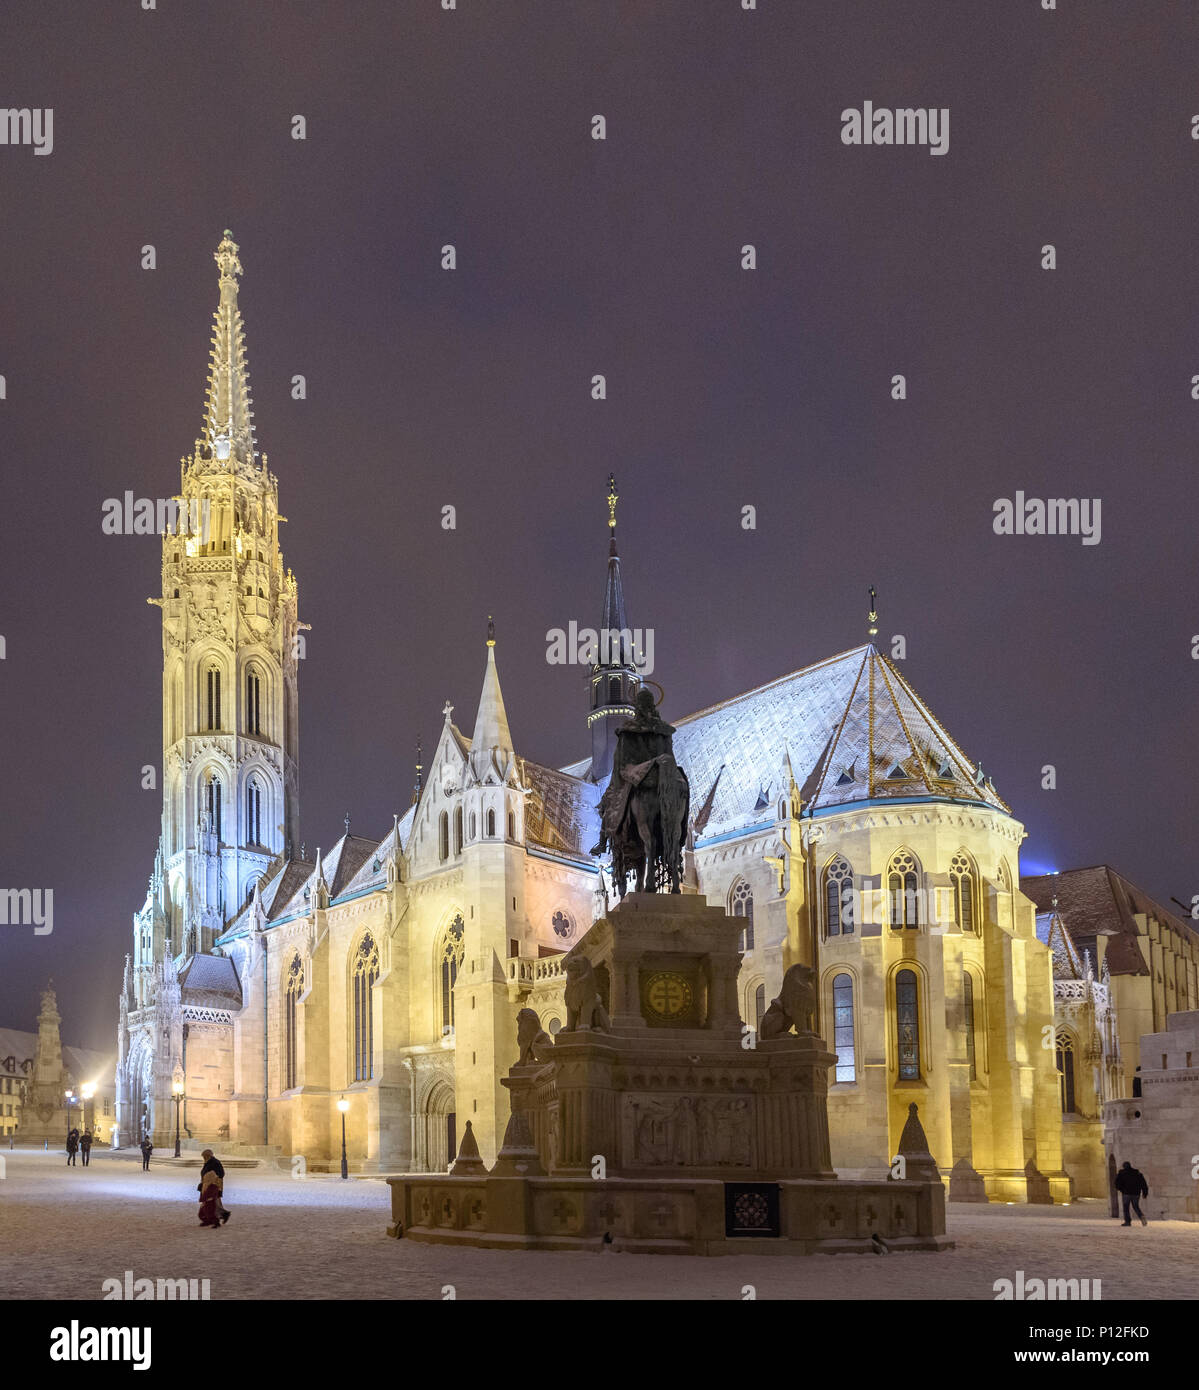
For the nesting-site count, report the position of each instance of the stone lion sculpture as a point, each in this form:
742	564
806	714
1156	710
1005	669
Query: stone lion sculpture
535	1044
584	1007
794	1008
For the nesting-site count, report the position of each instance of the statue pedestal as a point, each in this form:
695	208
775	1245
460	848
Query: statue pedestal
673	1130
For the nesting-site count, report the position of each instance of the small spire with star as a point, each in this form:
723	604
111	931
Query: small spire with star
872	616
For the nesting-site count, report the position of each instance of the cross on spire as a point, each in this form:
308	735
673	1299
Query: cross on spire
873	614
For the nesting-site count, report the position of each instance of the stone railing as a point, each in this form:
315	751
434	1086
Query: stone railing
533	970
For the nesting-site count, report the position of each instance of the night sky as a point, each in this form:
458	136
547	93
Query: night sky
725	388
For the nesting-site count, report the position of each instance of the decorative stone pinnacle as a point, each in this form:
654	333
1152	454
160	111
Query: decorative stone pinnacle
613	498
226	258
873	614
490	631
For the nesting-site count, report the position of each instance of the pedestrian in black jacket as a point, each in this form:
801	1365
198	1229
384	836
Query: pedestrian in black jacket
147	1149
1131	1185
72	1147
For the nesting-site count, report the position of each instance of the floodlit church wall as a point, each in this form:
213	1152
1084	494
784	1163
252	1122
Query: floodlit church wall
982	1119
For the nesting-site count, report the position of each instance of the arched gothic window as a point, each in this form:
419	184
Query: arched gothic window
366	972
213	696
474	827
450	958
491	825
961	874
968	1010
295	987
759	1006
458	830
741	904
253	812
253	702
443	837
843	1043
907	1025
903	890
838	898
1065	1071
212	802
1003	873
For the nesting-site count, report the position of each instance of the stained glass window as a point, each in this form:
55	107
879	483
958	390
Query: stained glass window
843	1044
907	1024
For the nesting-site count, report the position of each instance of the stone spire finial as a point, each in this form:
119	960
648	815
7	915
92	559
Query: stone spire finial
913	1147
347	823
490	630
228	415
518	1156
872	616
469	1162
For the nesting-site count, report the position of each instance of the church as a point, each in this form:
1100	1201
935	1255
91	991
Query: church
377	983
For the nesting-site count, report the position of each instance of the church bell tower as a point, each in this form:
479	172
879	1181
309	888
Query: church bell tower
231	644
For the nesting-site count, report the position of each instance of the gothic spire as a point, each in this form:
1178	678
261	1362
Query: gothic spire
228	416
614	676
614	613
491	723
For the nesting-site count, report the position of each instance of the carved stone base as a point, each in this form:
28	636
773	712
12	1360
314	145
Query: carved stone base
681	1216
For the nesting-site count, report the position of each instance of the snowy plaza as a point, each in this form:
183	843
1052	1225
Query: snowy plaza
66	1230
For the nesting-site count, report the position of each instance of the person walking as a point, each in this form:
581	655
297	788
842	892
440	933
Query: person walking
1131	1185
85	1146
211	1190
147	1149
72	1147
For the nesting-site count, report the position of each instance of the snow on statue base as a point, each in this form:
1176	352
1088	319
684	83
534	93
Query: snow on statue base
656	1124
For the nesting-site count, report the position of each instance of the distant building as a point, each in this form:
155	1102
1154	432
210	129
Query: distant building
1158	1132
80	1067
1124	967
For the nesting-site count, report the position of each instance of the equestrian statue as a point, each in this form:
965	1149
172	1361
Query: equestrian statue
645	806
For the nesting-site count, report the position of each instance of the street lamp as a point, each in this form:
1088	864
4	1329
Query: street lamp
87	1091
177	1089
70	1107
343	1105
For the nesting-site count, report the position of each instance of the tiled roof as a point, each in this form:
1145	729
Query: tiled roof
1100	902
210	981
560	813
853	729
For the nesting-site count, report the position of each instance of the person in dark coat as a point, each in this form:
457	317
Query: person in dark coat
212	1183
72	1147
85	1146
1131	1185
147	1149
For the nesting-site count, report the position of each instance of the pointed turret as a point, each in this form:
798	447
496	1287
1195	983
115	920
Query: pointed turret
614	677
228	415
491	736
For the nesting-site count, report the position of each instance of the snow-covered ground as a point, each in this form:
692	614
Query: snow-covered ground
63	1231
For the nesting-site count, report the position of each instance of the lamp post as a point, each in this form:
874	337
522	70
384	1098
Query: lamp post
177	1089
87	1091
343	1105
70	1107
